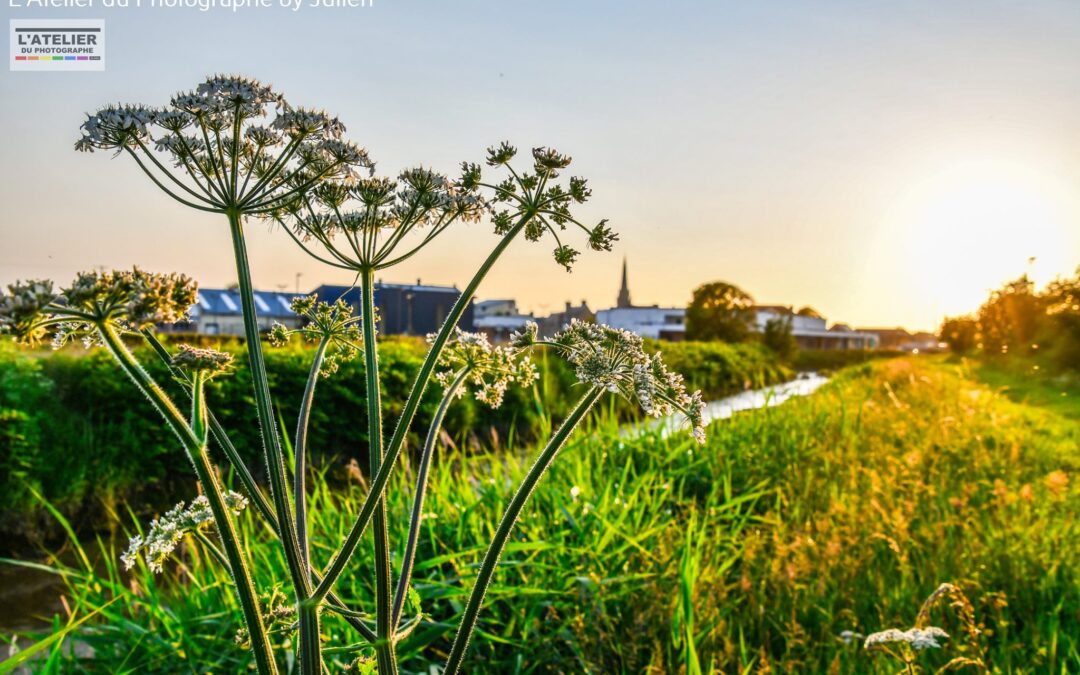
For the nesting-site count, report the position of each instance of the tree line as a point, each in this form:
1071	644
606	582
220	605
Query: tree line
1017	319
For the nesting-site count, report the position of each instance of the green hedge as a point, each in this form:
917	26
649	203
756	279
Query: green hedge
74	430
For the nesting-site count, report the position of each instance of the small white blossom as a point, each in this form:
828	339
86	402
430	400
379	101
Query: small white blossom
166	532
917	638
491	369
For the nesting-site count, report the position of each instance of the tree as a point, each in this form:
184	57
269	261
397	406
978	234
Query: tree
1062	298
777	337
719	311
810	312
1011	318
960	333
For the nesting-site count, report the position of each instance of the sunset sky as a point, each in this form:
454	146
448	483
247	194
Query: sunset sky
884	162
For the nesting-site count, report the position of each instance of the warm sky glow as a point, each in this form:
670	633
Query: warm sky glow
885	163
966	225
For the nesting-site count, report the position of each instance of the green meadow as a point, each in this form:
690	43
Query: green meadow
773	548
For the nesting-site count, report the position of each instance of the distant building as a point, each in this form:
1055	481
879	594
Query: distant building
554	323
899	339
659	323
405	309
498	319
811	331
217	312
486	308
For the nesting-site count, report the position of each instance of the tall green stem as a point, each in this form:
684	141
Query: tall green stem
384	648
300	450
221	437
308	616
421	489
196	450
506	527
397	441
310	659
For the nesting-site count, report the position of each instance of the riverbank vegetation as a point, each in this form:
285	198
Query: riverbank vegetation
73	430
793	533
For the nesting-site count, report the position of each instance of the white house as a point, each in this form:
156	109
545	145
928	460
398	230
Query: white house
811	331
659	323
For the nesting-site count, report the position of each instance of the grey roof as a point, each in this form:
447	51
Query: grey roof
220	301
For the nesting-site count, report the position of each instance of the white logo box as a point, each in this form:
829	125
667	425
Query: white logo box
47	45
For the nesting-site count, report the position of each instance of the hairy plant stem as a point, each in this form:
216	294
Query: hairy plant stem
264	508
310	657
308	615
506	527
300	452
196	450
384	648
412	404
421	489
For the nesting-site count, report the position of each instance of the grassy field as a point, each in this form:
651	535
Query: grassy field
839	512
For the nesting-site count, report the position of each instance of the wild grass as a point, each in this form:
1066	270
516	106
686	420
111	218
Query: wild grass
839	512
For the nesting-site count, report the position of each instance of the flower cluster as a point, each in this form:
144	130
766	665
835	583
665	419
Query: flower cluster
166	532
917	638
134	299
225	148
22	308
335	323
279	613
490	369
367	223
615	360
137	298
207	362
537	202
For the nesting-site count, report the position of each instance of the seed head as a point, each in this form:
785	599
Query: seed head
209	362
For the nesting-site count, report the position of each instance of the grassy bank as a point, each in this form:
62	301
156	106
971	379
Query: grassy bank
73	429
838	512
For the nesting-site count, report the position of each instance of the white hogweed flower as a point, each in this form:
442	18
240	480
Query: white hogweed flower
128	299
491	369
166	532
917	638
23	309
234	144
333	322
615	360
376	222
537	202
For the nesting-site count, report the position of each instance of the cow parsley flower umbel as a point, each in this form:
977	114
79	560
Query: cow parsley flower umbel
206	362
615	360
536	202
488	370
332	324
126	299
232	144
374	223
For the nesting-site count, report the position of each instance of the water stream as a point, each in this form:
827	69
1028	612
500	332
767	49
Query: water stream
751	399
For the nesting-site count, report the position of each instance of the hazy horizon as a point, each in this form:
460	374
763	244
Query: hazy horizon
886	164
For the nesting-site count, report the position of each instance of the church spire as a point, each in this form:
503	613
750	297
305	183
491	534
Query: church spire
624	291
